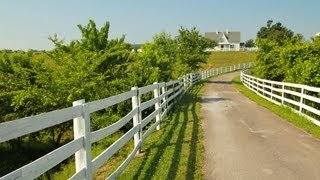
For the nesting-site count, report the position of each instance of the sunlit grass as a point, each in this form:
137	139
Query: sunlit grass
220	59
176	150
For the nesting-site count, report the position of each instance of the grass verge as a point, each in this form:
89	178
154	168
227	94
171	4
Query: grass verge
176	150
221	59
284	112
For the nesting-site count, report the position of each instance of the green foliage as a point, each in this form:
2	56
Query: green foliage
283	56
167	58
274	32
249	43
191	47
155	62
268	64
270	40
91	68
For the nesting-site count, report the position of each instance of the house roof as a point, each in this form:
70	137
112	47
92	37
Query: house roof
232	37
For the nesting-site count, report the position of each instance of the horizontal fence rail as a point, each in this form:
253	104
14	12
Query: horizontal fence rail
164	97
302	99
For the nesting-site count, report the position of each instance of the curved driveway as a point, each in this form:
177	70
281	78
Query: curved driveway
246	141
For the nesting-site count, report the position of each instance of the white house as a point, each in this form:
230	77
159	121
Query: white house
227	41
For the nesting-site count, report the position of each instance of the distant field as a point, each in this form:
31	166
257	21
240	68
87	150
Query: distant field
218	59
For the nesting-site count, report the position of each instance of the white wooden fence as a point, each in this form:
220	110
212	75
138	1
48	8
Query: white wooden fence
165	94
302	99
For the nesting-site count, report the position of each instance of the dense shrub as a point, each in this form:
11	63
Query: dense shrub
283	56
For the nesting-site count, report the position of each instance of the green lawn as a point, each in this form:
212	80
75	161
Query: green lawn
220	59
176	150
283	112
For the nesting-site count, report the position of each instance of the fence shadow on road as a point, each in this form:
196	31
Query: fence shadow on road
212	100
219	82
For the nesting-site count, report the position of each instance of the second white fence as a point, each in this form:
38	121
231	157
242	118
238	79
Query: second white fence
303	99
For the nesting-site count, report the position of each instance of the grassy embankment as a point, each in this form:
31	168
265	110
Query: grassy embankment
283	112
220	59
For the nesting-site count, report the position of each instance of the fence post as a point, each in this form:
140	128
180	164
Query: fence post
136	118
164	90
156	94
81	128
191	79
271	90
301	100
185	82
282	95
264	90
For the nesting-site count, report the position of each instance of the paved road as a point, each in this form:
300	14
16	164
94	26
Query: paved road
246	141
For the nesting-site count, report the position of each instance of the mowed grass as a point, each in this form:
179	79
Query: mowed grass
283	112
220	59
176	150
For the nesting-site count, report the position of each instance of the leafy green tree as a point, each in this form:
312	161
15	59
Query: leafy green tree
191	50
249	43
155	62
270	40
91	68
275	32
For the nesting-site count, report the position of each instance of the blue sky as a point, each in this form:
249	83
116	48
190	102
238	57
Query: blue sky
28	24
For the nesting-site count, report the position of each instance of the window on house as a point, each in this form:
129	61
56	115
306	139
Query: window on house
231	46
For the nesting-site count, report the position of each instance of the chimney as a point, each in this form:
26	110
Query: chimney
216	31
227	32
